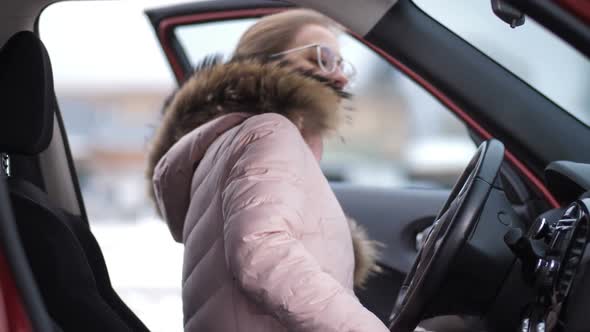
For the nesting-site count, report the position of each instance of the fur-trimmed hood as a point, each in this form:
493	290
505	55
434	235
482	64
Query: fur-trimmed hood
249	85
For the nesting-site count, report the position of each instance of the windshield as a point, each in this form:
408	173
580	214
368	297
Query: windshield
530	52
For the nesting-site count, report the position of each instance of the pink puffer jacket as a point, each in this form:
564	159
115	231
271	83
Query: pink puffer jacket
267	245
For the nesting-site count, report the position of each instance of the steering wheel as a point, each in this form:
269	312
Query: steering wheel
453	225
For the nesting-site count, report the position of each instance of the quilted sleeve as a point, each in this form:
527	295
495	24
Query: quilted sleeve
263	200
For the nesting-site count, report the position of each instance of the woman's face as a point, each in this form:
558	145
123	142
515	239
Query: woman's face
307	59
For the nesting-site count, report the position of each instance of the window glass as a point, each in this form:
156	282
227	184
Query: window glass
530	51
111	79
399	135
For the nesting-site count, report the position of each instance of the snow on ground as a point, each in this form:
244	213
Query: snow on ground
145	265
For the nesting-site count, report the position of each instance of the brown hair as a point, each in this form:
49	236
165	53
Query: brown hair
273	33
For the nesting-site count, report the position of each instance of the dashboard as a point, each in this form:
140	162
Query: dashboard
552	255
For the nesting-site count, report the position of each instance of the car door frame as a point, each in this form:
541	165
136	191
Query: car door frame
165	20
398	256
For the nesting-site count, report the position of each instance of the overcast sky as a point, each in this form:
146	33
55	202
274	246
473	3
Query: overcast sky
104	43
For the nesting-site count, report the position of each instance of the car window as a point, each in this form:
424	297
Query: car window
531	52
398	136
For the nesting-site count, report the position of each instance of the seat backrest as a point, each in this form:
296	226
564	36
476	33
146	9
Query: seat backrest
64	256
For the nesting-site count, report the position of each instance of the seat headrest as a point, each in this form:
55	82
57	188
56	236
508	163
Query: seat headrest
27	98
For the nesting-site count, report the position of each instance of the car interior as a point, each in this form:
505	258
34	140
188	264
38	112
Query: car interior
504	249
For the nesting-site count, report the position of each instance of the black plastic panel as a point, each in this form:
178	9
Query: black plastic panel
380	293
393	217
568	180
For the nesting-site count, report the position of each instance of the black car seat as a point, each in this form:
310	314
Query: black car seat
64	256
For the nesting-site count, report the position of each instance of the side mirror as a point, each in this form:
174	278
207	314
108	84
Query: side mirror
508	13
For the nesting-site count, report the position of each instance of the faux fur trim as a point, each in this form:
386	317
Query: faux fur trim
366	253
250	85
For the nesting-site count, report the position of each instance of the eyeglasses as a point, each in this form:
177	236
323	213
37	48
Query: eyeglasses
327	60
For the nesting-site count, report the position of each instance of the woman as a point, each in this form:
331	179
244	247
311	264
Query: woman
235	170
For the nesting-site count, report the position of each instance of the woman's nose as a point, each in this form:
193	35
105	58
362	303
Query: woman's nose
339	79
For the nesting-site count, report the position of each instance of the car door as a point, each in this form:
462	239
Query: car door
393	202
